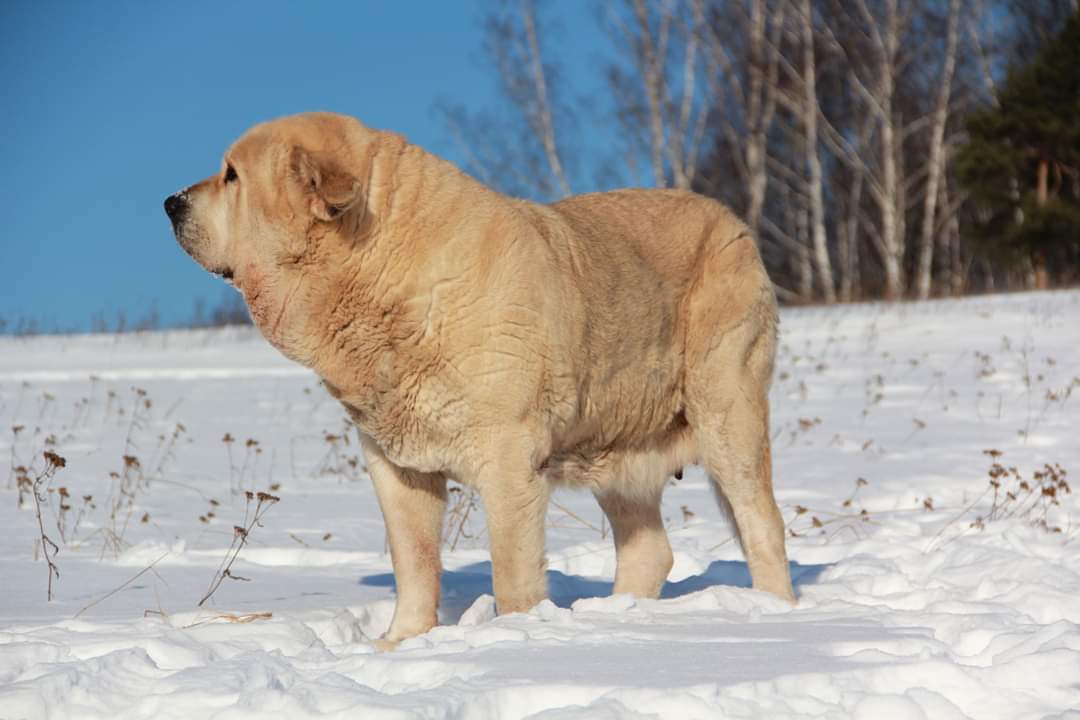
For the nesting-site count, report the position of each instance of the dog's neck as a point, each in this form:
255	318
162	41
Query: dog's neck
369	288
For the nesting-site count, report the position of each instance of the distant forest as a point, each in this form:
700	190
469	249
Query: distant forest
878	148
229	310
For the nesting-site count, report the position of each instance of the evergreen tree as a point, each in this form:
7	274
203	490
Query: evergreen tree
1022	164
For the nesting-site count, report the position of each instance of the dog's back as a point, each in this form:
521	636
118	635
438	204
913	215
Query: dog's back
635	259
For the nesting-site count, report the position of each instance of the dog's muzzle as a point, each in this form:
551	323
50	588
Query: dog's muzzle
176	207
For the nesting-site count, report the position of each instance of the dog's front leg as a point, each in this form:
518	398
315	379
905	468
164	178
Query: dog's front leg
412	505
515	499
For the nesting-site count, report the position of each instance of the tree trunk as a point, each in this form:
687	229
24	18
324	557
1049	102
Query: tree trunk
755	167
891	234
892	249
806	265
756	143
652	75
851	278
936	166
943	240
957	275
1043	188
545	126
760	105
844	243
1040	277
810	113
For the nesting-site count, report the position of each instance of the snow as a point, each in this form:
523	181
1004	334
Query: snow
920	596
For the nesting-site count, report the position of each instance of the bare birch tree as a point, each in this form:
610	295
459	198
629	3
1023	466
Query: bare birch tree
532	163
813	161
539	115
659	100
742	40
890	244
877	91
760	101
936	163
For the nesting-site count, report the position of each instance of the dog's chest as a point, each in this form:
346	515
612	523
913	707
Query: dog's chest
415	423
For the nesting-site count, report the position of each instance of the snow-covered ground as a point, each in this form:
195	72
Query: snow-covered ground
920	594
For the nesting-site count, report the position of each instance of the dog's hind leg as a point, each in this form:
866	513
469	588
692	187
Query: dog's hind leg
642	552
741	468
731	419
730	351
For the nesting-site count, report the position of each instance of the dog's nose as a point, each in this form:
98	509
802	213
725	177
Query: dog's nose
175	205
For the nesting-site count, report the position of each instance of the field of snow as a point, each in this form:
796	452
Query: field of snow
925	591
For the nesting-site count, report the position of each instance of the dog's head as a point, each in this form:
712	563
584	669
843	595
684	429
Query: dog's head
283	190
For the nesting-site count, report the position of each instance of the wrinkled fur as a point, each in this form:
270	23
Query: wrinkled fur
604	342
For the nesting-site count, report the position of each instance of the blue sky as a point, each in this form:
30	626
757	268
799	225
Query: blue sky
108	107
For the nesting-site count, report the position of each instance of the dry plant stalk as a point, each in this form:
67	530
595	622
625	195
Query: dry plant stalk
335	461
463	501
123	585
15	467
809	520
230	617
228	439
126	484
1015	496
264	501
577	518
166	448
53	462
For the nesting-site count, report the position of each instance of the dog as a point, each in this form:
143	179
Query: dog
604	342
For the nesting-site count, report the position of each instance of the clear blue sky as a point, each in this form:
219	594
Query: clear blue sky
108	107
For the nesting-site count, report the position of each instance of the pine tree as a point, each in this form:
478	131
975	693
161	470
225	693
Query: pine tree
1022	164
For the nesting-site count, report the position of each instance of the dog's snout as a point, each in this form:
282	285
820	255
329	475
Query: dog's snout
176	206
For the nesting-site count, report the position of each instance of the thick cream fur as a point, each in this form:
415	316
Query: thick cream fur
602	342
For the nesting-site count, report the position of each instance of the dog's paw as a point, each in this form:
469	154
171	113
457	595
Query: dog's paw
384	644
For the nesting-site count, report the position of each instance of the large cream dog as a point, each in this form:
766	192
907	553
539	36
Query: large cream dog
601	342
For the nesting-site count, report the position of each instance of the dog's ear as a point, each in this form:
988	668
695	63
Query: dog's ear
326	188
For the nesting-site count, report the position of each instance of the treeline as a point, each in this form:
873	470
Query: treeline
836	128
229	310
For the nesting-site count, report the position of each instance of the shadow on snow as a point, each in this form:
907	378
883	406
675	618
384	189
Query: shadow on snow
460	588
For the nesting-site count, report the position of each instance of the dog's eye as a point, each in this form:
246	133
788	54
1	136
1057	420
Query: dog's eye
230	173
